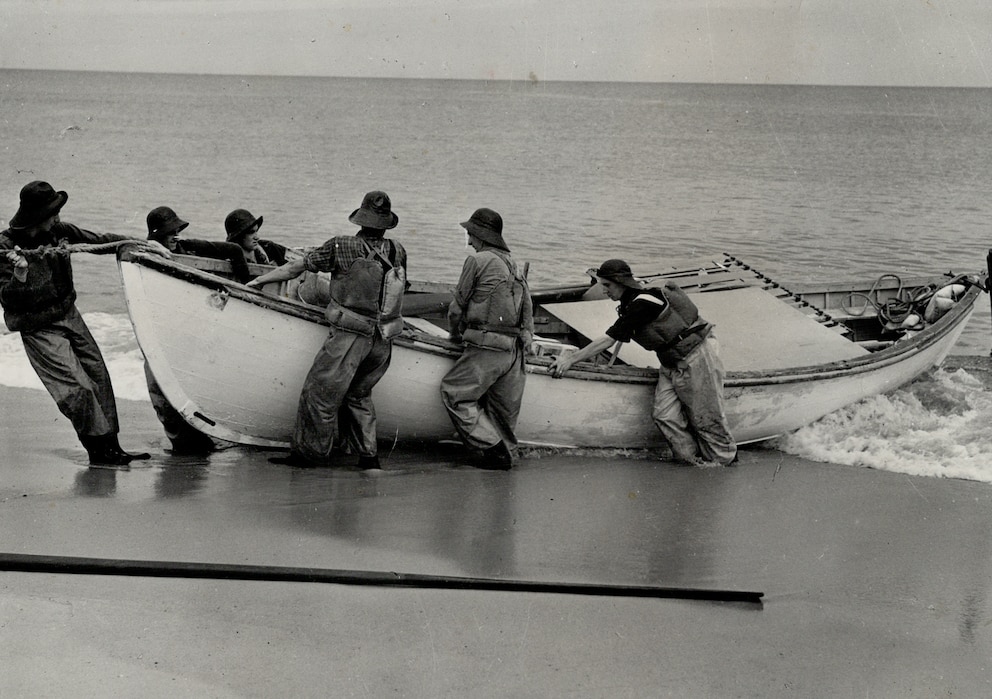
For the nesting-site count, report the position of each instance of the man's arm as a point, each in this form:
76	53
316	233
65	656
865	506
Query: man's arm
290	270
231	252
562	364
462	293
82	240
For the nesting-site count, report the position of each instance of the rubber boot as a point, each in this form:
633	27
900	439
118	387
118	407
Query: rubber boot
368	462
101	451
496	458
116	446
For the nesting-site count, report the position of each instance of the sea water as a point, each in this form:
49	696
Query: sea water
805	183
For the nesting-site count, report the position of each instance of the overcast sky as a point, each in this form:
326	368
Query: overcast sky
849	42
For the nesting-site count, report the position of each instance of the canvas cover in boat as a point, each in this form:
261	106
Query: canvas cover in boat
756	330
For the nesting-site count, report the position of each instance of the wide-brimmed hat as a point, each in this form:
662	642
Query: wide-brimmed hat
162	221
487	226
616	271
239	222
376	211
39	200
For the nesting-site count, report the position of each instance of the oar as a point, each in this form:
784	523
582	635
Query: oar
73	565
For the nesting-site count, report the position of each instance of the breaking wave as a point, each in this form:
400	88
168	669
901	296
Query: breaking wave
937	426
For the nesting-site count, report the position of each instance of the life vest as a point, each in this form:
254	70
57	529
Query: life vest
44	297
493	321
368	296
677	330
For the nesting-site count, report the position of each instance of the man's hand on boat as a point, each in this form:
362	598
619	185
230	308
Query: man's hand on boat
153	247
560	365
563	363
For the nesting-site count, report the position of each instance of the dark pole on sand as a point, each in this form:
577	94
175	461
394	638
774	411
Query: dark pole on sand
72	565
988	280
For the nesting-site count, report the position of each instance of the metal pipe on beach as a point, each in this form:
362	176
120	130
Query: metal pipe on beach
73	565
988	284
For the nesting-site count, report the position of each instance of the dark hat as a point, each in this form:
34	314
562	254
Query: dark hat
238	222
376	211
487	226
616	271
162	221
39	200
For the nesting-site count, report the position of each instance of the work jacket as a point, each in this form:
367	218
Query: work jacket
492	307
47	291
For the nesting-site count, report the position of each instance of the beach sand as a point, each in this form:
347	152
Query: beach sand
875	584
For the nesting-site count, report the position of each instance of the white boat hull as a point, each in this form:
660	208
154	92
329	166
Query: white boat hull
234	367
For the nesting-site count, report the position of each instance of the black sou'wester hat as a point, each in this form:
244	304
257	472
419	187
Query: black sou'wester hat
162	222
239	222
38	202
486	225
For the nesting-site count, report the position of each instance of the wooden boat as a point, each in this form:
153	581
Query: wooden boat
232	359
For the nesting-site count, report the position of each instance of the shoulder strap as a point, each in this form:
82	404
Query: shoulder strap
378	253
652	298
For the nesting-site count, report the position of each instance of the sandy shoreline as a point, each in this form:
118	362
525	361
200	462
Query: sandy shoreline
876	584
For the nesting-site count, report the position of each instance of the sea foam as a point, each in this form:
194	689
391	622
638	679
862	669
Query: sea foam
935	426
115	337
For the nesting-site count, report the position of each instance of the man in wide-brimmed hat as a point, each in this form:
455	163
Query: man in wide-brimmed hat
242	229
39	301
688	401
368	278
492	315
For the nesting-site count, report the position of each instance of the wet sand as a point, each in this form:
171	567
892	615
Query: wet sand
875	584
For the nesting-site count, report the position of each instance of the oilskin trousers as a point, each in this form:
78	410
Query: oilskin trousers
185	438
69	363
482	394
336	401
689	408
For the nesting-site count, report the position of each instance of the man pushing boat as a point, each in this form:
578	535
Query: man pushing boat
493	316
368	279
688	400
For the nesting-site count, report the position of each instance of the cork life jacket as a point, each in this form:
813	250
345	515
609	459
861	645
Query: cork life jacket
493	321
46	295
677	330
368	296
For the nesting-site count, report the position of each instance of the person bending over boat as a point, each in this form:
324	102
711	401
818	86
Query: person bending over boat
688	401
491	313
164	226
39	301
242	230
368	279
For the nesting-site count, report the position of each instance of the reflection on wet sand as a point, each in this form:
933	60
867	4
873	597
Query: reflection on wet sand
620	521
95	483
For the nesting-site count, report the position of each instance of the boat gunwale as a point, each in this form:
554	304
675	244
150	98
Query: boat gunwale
418	340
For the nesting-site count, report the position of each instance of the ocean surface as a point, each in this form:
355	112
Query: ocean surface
805	183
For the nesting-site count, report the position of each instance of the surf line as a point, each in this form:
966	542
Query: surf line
74	565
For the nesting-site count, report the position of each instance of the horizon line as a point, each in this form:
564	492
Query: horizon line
526	81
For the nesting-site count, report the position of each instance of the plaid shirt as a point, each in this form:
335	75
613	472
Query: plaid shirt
339	253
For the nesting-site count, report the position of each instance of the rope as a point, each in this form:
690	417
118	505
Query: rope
893	312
